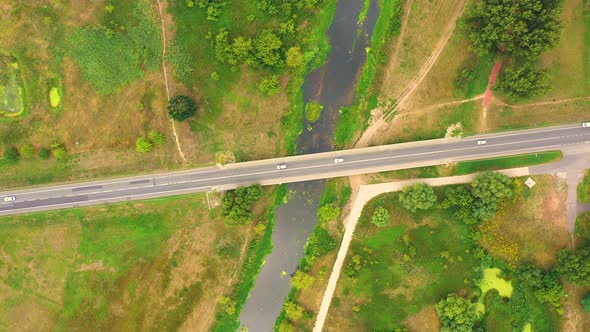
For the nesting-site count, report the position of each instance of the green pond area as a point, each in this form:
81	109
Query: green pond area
11	91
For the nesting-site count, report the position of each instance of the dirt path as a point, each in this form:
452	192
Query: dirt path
379	122
164	42
365	194
488	96
541	103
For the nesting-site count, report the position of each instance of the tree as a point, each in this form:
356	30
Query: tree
181	107
586	303
380	217
267	46
294	57
44	153
157	137
242	49
286	327
416	197
523	80
574	267
269	85
456	314
516	28
143	145
26	151
236	204
492	187
11	154
302	280
293	311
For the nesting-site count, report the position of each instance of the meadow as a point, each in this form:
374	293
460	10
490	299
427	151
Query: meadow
160	264
393	276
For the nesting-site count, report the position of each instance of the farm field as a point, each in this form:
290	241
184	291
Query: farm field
161	264
395	275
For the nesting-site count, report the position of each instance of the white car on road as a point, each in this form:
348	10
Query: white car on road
9	198
586	124
481	142
338	160
281	166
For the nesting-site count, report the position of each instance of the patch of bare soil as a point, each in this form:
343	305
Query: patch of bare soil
96	266
424	321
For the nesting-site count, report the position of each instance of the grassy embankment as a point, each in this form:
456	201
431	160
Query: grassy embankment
468	167
394	276
319	256
152	264
353	118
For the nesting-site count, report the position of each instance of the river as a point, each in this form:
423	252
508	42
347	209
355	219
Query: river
333	86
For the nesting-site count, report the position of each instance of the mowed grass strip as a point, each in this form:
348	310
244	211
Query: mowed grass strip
584	188
529	159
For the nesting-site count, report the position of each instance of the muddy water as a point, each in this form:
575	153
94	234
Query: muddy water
333	86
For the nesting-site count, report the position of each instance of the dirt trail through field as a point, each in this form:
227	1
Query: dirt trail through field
166	79
379	120
488	96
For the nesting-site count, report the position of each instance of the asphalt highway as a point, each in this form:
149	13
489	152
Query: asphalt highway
298	168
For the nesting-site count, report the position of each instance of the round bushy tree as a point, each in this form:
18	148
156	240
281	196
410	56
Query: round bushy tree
380	217
416	197
181	107
143	145
11	154
456	314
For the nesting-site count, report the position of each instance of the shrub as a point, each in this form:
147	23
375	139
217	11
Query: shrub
11	154
181	107
26	151
313	111
269	85
59	152
328	212
380	217
302	280
419	196
586	303
44	153
294	57
143	145
157	137
523	80
293	311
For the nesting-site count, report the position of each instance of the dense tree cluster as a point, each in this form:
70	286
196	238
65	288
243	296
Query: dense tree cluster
237	204
515	28
417	197
480	201
546	285
457	314
575	267
523	80
519	31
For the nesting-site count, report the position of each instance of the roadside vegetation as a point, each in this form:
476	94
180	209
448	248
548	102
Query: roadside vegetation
584	188
472	257
153	264
468	167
